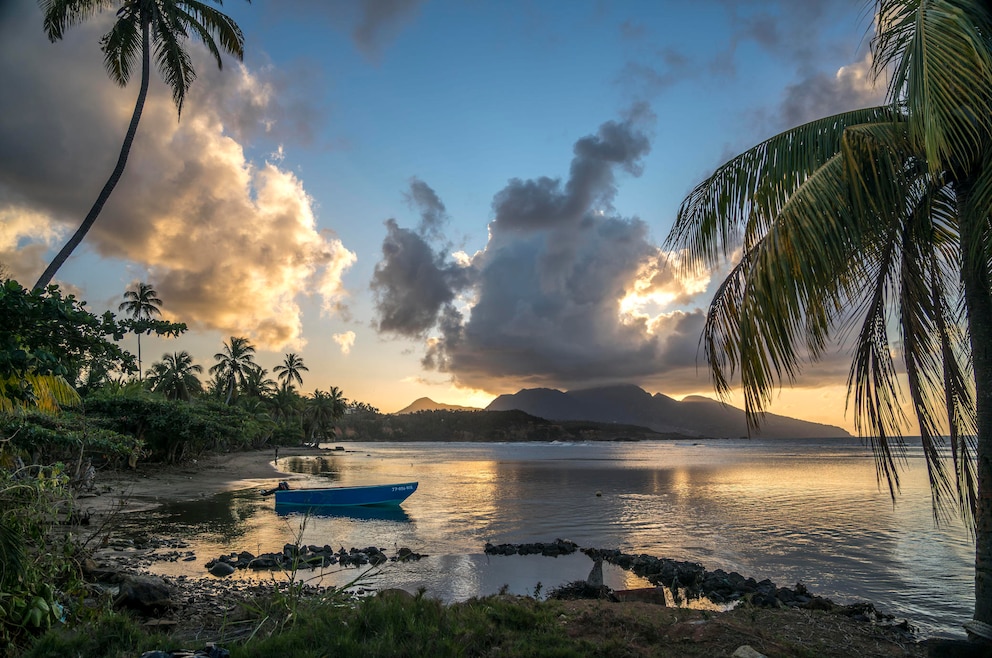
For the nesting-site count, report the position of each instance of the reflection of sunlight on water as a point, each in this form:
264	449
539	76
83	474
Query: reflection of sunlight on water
788	511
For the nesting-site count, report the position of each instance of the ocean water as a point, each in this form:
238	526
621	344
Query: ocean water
791	511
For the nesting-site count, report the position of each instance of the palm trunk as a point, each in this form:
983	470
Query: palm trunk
132	129
978	302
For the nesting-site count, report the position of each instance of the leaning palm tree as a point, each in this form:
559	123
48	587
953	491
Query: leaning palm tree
874	224
175	376
289	370
142	26
141	303
234	364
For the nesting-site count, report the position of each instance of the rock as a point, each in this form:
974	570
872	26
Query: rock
745	651
395	593
654	595
221	569
144	594
595	578
947	648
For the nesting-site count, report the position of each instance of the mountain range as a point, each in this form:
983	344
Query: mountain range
631	405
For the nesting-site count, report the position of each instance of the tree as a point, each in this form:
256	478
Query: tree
257	384
47	340
142	26
235	364
289	370
141	303
285	403
175	376
321	411
847	222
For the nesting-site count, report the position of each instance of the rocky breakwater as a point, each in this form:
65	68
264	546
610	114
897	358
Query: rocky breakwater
298	556
689	581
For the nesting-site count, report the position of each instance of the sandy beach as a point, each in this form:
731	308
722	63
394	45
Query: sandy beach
149	485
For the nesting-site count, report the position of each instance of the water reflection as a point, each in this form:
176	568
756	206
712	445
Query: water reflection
319	466
788	511
383	513
223	518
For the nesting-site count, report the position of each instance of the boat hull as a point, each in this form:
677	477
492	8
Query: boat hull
382	495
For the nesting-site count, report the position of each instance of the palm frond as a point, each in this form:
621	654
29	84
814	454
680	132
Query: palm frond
47	393
207	21
942	70
62	14
712	218
121	48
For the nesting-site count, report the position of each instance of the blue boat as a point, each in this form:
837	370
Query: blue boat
373	494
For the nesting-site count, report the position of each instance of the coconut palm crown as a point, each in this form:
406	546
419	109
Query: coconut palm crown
873	226
141	303
289	370
175	376
235	365
142	28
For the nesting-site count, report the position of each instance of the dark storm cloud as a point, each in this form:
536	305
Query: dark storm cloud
433	214
542	300
544	203
413	284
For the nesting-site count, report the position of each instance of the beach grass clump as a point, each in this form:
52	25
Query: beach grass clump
421	626
111	634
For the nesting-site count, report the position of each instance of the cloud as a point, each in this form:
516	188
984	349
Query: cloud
786	30
543	302
433	214
412	282
25	236
228	243
821	95
345	340
372	24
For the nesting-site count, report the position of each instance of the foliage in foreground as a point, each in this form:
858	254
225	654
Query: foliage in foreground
38	566
380	626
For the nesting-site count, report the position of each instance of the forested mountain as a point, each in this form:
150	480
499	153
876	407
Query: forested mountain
694	416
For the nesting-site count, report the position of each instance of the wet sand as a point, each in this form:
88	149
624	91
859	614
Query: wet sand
149	485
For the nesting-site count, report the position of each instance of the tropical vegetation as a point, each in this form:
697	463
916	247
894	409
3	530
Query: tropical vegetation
141	303
142	26
69	402
875	225
175	376
234	365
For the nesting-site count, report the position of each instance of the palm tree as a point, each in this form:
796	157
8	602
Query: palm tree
142	26
847	222
285	403
175	376
234	364
321	411
257	383
289	369
141	304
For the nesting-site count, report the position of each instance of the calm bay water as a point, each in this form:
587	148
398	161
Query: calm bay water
792	511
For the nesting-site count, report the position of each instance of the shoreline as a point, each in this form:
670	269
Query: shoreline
149	485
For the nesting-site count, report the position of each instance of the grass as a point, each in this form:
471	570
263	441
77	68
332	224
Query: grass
506	626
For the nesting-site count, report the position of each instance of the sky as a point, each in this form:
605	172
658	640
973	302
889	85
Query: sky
450	199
